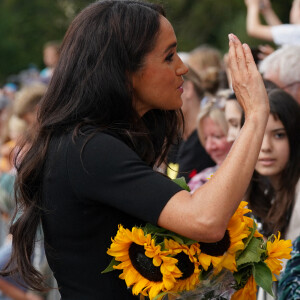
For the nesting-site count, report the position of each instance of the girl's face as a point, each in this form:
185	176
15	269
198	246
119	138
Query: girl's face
216	144
158	85
233	115
275	151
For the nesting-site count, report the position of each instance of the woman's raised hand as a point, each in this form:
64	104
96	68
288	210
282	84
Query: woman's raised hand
246	80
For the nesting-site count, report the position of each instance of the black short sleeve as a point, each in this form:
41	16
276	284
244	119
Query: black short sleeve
89	188
109	172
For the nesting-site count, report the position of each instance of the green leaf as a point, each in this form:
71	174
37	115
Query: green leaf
111	266
160	295
241	277
263	276
252	230
182	183
161	232
252	253
175	237
149	228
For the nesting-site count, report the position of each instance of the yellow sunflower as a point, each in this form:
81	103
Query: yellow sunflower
206	260
141	272
276	250
222	254
248	292
250	224
242	210
238	228
187	264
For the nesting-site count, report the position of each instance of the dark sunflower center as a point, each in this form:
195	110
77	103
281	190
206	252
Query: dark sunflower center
143	264
184	265
218	248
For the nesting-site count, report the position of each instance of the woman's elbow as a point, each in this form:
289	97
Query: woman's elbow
209	230
252	31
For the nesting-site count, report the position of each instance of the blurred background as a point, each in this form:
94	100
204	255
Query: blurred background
25	27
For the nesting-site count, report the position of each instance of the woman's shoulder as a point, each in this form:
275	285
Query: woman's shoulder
87	135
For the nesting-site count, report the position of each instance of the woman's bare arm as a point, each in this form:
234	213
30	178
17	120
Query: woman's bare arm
253	24
204	215
268	13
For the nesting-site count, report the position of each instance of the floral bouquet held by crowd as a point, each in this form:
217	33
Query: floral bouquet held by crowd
156	262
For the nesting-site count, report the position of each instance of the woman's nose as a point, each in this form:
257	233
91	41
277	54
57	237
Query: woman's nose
209	144
266	144
232	134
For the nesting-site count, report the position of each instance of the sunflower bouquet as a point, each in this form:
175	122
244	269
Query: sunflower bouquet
156	262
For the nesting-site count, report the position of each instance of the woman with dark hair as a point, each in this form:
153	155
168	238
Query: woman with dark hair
110	113
274	192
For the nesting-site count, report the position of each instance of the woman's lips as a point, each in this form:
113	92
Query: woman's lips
266	161
180	89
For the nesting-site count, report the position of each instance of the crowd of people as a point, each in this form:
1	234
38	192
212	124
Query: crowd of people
217	109
19	105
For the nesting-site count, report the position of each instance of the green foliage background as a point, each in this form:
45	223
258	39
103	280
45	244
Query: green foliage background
25	26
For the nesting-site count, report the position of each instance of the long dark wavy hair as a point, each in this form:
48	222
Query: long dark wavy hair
104	45
272	207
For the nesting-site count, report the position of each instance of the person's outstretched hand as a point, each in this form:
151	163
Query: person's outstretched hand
264	51
246	79
265	6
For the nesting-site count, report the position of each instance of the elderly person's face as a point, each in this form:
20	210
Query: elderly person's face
215	140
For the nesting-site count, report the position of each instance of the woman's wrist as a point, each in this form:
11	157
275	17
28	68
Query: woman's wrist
258	119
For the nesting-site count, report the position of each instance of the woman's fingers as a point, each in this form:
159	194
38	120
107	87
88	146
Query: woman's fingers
240	56
246	80
250	63
232	55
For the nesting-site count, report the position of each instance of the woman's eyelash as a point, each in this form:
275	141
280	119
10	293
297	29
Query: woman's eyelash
280	134
170	57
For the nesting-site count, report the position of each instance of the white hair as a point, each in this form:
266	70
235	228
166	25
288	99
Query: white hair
285	62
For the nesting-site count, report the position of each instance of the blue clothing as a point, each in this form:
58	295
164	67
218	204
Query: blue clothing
289	284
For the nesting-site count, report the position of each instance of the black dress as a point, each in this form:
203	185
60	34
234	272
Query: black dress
86	194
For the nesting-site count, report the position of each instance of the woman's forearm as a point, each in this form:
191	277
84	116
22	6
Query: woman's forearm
254	26
270	17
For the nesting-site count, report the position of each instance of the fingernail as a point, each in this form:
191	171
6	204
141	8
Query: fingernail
231	37
245	46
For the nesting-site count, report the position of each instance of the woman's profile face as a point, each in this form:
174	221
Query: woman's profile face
275	150
233	115
158	84
215	140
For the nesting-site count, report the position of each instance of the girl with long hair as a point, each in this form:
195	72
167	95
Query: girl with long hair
110	113
274	192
